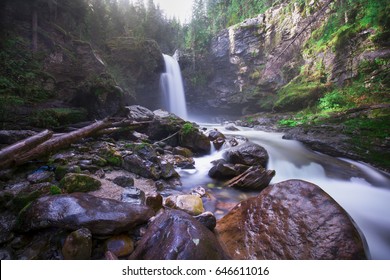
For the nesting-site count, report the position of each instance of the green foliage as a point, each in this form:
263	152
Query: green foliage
289	122
54	190
187	128
54	117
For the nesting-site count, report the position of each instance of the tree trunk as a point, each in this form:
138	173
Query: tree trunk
8	154
21	156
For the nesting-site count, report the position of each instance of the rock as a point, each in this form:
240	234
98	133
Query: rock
73	182
120	245
139	166
182	152
223	171
218	143
207	219
124	181
290	220
198	191
139	114
133	195
214	134
191	204
73	211
5	255
255	178
167	170
32	192
193	139
7	225
165	125
248	154
154	200
40	177
231	127
175	235
78	245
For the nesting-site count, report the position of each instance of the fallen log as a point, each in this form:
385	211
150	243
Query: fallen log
55	143
8	154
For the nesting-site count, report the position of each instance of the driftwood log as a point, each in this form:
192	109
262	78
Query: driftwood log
45	142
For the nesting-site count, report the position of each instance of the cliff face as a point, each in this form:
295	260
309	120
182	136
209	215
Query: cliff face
255	59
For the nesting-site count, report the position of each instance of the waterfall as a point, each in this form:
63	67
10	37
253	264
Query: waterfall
171	85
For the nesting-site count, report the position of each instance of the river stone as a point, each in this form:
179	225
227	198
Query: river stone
139	113
175	235
255	178
124	181
214	134
73	182
139	166
195	140
78	245
182	152
207	219
191	204
73	211
40	177
290	220
133	195
154	200
120	245
223	171
248	154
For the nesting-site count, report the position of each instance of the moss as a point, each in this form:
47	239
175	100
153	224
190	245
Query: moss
187	128
54	190
73	182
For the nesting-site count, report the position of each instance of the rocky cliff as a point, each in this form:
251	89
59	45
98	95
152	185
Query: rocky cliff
254	61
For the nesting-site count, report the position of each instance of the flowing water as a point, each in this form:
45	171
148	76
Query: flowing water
171	85
360	189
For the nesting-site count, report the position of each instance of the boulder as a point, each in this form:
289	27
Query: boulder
207	219
290	220
175	235
124	181
154	200
214	134
191	204
182	152
255	178
223	171
133	195
120	245
248	154
193	139
73	211
73	182
139	166
78	245
138	113
40	177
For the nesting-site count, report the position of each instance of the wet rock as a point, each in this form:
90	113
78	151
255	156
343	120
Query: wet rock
195	140
231	127
139	113
248	154
40	177
191	204
139	166
290	220
207	219
124	181
99	161
175	235
223	171
154	200
214	134
167	170
7	224
255	178
133	195
218	143
73	211
198	191
29	194
182	152
78	245
120	245
73	182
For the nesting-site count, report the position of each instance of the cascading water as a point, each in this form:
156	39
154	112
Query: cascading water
361	190
171	85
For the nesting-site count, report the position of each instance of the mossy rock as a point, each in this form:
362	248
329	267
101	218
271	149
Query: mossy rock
55	117
73	182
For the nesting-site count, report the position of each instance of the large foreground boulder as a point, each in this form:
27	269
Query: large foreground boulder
290	220
101	216
175	235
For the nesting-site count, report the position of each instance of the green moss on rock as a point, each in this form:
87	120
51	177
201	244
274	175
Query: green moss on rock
73	182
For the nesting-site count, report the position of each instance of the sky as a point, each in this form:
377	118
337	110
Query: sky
179	8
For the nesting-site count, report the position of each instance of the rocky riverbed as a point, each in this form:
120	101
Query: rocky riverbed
120	196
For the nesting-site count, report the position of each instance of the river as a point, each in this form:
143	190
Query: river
361	190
